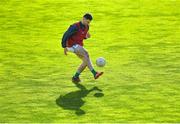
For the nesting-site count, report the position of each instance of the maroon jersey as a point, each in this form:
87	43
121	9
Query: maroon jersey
78	36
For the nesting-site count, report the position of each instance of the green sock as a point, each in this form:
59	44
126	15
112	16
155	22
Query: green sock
94	72
77	74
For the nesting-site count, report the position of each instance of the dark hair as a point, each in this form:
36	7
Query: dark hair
88	16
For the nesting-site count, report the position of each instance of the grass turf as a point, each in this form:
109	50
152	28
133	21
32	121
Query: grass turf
138	38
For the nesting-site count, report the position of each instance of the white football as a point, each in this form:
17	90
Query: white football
100	62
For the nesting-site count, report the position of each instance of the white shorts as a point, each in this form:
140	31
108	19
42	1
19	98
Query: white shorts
73	48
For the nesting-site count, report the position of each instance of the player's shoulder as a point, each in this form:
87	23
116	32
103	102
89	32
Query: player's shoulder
74	26
76	23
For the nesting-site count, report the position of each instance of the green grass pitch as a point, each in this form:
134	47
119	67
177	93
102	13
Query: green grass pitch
140	40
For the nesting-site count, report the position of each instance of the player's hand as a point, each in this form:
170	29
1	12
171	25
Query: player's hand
65	51
88	35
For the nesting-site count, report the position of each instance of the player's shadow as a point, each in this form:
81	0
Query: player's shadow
73	100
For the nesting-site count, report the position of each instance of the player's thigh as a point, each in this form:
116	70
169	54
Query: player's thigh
81	51
79	56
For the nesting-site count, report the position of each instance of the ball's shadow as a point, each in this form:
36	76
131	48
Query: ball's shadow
73	100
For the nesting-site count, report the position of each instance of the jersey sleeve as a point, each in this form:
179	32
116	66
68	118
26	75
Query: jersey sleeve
71	30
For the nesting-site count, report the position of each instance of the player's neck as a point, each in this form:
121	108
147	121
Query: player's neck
82	22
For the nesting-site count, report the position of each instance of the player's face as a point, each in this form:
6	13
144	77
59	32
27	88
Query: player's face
86	21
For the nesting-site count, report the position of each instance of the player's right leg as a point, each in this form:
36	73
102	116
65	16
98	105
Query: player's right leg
83	64
76	78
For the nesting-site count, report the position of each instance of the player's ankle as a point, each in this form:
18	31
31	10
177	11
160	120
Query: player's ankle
76	75
94	72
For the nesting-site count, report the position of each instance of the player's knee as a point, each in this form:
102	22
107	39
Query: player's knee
86	54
